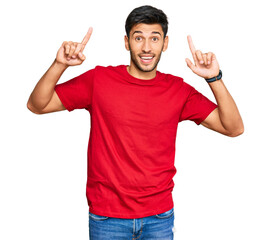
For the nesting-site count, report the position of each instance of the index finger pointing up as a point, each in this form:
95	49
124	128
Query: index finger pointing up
87	37
191	46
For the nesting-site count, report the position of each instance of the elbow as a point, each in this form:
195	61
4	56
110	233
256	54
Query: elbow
32	108
236	133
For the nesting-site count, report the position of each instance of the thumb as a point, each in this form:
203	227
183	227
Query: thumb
190	64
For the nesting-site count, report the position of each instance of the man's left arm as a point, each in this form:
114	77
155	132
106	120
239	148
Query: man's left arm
226	118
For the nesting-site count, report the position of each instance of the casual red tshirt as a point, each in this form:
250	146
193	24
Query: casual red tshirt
131	147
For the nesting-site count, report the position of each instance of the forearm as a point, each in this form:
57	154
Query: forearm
228	112
44	89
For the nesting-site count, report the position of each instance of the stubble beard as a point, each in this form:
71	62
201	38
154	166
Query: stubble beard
137	64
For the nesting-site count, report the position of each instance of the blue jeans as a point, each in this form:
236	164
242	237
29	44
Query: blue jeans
154	227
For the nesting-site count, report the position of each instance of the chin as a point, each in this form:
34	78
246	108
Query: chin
146	68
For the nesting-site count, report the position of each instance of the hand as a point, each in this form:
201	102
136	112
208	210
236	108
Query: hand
71	53
206	65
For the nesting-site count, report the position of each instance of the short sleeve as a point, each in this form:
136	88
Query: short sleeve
77	92
197	107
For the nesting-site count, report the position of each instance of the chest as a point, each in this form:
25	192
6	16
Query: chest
132	104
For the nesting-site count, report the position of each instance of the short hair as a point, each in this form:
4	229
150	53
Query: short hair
146	14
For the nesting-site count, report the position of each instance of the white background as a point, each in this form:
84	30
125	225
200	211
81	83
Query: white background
222	186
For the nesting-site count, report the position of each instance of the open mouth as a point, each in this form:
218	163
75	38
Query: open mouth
146	59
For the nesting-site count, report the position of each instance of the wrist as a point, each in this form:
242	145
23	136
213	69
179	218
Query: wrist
60	66
213	79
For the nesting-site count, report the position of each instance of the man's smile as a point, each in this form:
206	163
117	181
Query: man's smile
146	58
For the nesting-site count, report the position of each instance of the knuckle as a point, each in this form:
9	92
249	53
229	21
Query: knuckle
199	54
78	48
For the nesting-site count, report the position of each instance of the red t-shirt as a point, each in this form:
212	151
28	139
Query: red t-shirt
131	147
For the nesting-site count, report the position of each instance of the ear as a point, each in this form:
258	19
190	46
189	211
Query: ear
126	40
165	44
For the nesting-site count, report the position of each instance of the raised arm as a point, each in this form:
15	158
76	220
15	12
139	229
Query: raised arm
226	119
43	98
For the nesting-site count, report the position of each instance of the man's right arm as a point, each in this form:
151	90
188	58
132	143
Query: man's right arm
43	98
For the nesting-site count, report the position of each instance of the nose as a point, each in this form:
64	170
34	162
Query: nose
146	46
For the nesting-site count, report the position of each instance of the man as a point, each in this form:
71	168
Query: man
135	111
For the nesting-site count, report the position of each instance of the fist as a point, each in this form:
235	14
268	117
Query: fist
205	64
71	53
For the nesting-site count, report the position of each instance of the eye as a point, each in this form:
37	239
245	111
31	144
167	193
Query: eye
155	39
138	38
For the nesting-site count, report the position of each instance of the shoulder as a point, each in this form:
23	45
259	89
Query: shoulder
177	80
170	77
108	73
110	68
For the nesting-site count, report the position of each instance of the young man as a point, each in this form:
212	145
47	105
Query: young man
135	111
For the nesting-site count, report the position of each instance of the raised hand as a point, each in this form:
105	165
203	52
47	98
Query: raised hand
71	53
205	64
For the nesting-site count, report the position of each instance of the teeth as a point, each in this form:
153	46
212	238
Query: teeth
147	58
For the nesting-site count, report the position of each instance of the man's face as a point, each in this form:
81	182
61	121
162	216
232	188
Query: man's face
146	44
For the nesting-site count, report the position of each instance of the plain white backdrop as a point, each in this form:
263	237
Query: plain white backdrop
222	186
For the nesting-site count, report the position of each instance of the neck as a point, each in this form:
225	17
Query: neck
137	73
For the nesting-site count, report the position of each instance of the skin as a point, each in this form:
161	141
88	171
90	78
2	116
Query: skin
43	98
145	40
226	118
146	44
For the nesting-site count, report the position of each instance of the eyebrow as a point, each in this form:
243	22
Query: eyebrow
142	32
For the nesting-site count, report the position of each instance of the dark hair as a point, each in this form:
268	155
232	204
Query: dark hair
146	14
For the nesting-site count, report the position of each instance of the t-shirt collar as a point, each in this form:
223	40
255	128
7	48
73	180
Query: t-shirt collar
139	81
